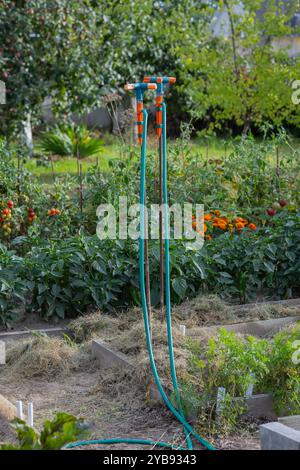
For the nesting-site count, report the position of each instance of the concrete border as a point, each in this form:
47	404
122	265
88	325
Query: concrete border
108	357
277	436
258	328
260	406
290	421
16	335
286	302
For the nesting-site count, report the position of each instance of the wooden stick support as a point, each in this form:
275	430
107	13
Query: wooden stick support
7	409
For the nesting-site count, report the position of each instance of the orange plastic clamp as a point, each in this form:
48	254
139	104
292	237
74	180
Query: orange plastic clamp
139	115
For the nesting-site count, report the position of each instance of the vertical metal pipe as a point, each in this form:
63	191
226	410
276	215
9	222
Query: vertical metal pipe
147	269
161	239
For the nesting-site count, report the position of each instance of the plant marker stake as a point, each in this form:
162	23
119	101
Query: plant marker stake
182	329
2	353
220	400
19	406
249	391
30	415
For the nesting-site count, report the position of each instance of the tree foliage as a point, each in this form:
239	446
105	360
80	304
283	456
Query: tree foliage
74	51
238	75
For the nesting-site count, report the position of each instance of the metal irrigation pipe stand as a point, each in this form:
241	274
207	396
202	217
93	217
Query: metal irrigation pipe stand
155	83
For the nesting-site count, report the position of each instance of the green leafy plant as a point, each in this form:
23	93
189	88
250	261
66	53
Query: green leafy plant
70	140
234	363
64	428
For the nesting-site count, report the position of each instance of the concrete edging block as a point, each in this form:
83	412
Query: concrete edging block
291	421
260	406
21	334
277	436
108	357
260	328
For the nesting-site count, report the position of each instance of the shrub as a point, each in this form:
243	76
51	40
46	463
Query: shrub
75	141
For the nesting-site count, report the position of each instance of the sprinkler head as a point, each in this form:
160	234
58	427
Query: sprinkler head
160	81
139	89
164	80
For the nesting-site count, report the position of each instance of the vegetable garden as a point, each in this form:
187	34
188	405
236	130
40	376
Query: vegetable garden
52	261
82	315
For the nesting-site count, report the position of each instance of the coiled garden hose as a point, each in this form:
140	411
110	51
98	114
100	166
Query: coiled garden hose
188	429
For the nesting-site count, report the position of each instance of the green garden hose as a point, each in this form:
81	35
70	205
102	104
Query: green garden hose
188	429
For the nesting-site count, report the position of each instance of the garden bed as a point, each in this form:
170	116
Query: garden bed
61	374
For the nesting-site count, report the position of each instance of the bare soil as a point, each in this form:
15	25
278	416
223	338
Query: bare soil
124	413
57	375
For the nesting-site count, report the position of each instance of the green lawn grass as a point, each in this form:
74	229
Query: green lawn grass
206	149
69	165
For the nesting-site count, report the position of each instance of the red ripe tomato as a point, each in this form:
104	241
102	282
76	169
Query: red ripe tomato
283	202
271	212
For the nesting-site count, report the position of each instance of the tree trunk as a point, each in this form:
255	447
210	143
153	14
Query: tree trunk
28	134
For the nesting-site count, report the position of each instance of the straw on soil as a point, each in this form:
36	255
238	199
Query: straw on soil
42	356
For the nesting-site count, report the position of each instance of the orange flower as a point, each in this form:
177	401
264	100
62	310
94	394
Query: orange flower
252	226
240	220
239	226
222	225
205	228
207	217
208	237
217	213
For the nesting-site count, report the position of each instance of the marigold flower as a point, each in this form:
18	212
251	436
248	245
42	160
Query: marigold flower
217	212
207	217
222	225
252	226
240	220
239	226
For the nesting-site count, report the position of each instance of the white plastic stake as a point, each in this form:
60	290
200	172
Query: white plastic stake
182	329
19	406
30	415
2	353
220	400
249	391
